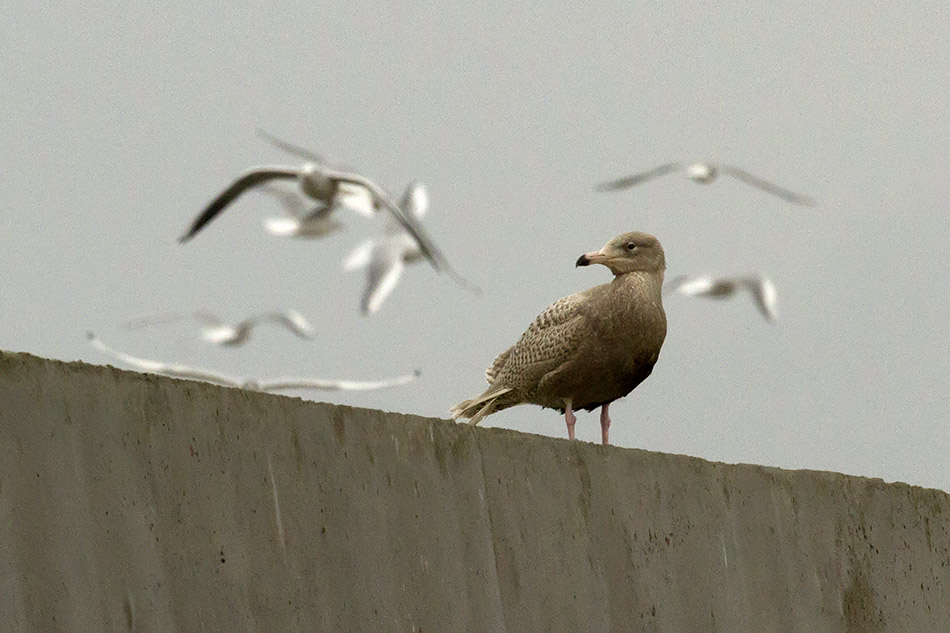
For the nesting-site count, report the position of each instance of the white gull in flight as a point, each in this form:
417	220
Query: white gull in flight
386	256
222	333
279	384
321	183
762	290
705	173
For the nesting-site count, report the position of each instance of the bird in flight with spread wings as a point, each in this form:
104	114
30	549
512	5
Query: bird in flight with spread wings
762	290
705	173
219	332
280	384
322	183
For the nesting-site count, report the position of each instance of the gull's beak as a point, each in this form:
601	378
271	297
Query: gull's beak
596	257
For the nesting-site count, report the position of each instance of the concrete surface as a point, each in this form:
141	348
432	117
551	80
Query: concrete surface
131	502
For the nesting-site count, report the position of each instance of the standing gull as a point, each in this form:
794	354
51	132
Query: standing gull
762	290
323	184
386	256
704	173
279	384
590	348
226	334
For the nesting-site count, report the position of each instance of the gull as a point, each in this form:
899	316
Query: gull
386	256
321	183
704	173
587	349
366	207
280	384
762	290
226	334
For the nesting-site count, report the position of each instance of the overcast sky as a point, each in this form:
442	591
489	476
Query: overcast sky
118	126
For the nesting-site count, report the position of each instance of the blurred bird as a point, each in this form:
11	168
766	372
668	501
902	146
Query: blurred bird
590	348
281	384
323	184
704	173
386	256
219	332
762	290
302	220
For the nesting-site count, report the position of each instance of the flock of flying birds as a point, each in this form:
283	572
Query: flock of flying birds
312	209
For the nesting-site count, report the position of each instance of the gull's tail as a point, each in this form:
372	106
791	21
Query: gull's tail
480	406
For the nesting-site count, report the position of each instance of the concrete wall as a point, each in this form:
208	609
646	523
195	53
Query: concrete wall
138	503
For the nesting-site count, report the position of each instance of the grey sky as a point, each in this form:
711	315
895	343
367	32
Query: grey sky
118	126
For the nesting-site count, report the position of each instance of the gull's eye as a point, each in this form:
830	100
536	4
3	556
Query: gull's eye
631	246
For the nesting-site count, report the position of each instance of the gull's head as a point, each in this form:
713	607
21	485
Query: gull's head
703	173
628	253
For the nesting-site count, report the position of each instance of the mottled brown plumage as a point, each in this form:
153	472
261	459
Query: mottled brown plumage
590	348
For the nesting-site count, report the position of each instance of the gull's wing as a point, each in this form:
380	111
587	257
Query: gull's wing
426	245
290	148
354	198
334	385
765	295
250	178
360	256
385	268
410	224
636	179
290	319
690	285
765	185
166	369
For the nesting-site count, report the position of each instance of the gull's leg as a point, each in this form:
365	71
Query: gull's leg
570	418
604	423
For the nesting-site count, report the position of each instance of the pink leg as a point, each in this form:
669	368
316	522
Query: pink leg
570	418
604	424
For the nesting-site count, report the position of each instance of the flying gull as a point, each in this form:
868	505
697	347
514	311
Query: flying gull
220	332
321	183
704	173
386	256
762	290
280	384
590	348
306	154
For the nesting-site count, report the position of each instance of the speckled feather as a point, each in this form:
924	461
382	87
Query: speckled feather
591	347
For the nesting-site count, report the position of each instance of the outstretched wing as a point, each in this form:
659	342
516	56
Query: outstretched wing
166	369
250	178
765	296
385	268
765	185
290	319
334	385
690	285
636	179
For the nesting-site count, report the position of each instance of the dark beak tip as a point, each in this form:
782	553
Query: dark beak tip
582	261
